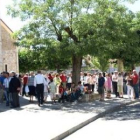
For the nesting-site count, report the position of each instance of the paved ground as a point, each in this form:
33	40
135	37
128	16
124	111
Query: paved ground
121	125
31	122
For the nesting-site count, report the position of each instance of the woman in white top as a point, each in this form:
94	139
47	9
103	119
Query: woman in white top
69	81
46	88
82	78
52	89
92	82
130	90
120	85
86	80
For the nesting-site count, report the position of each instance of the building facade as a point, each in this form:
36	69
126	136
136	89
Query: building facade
8	51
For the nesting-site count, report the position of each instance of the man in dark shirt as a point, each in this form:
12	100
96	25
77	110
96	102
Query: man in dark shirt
101	82
14	88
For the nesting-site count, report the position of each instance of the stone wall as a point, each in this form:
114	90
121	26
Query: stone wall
9	50
1	59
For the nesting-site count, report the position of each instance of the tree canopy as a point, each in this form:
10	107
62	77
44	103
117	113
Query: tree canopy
74	28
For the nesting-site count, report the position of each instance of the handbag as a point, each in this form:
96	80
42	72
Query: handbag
26	89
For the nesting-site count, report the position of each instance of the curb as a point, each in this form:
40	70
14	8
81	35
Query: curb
79	126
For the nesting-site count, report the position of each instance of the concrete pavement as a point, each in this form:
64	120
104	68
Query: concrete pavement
123	124
52	121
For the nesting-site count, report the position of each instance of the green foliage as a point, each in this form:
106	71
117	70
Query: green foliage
27	61
64	28
42	58
101	63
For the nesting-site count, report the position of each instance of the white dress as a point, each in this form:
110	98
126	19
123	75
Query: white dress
52	88
46	87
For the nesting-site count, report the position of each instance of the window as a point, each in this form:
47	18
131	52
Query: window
6	68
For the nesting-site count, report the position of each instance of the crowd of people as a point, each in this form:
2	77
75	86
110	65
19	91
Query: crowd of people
61	87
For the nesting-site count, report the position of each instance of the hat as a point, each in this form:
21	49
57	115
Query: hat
12	72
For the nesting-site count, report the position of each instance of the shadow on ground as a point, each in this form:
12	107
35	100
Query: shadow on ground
23	102
89	107
130	112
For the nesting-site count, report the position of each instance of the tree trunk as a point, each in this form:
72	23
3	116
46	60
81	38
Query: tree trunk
58	68
120	65
133	66
76	68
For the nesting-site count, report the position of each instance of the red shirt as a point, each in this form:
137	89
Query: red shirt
50	77
63	78
135	79
25	80
61	89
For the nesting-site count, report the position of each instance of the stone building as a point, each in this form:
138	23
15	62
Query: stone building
8	51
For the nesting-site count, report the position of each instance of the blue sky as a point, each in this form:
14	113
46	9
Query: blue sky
16	24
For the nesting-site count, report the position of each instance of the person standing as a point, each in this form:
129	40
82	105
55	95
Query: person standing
57	81
108	85
96	81
86	77
39	84
50	76
52	89
14	89
101	82
120	85
31	86
46	91
92	83
20	79
63	79
61	92
69	81
114	83
6	88
139	81
2	77
105	75
125	83
89	82
82	78
135	80
25	81
130	90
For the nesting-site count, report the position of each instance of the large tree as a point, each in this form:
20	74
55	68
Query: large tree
78	27
39	58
